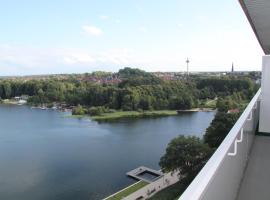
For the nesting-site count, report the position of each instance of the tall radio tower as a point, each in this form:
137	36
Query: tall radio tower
187	61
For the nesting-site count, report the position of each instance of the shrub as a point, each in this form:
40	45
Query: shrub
78	110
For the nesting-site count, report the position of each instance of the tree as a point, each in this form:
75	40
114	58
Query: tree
187	154
181	102
128	72
219	128
78	110
127	102
93	111
7	90
223	105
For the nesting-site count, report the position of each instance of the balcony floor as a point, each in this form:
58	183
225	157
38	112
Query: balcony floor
256	181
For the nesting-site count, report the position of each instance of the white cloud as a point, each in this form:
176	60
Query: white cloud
23	60
211	51
92	30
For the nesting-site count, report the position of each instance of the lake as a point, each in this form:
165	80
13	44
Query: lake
45	155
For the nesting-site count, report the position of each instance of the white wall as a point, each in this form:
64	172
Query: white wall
264	123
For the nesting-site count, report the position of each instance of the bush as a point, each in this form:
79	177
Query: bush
78	110
140	110
99	110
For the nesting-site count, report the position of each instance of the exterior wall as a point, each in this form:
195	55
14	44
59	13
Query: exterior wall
264	125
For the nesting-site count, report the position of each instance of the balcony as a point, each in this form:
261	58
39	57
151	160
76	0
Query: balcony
238	169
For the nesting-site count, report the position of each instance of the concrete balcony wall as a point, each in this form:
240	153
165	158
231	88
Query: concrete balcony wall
265	105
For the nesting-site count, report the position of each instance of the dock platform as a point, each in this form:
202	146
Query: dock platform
146	174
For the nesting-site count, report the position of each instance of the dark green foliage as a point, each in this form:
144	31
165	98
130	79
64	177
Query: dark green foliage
225	104
78	110
224	86
219	128
207	93
187	153
98	110
135	77
172	192
140	81
181	102
128	72
139	90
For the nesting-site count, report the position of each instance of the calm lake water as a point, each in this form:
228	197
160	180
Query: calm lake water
45	155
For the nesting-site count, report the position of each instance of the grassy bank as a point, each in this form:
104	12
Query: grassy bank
209	103
9	101
133	114
128	191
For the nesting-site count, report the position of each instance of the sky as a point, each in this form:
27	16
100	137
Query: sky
78	36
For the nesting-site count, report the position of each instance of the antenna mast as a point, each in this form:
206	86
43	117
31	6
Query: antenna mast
187	61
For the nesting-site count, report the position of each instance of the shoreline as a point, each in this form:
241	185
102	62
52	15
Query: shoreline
117	115
133	114
198	110
136	115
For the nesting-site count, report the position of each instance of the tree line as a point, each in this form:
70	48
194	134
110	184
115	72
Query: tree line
138	90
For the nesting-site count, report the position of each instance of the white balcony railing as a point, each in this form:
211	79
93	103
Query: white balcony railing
220	178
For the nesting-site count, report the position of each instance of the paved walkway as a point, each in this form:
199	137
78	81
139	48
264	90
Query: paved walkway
154	187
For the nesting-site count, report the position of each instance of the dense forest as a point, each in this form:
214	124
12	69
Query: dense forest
138	90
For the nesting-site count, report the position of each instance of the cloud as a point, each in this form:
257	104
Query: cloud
23	60
92	30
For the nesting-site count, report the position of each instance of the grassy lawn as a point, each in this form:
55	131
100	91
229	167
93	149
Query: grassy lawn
211	103
128	191
8	101
134	114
